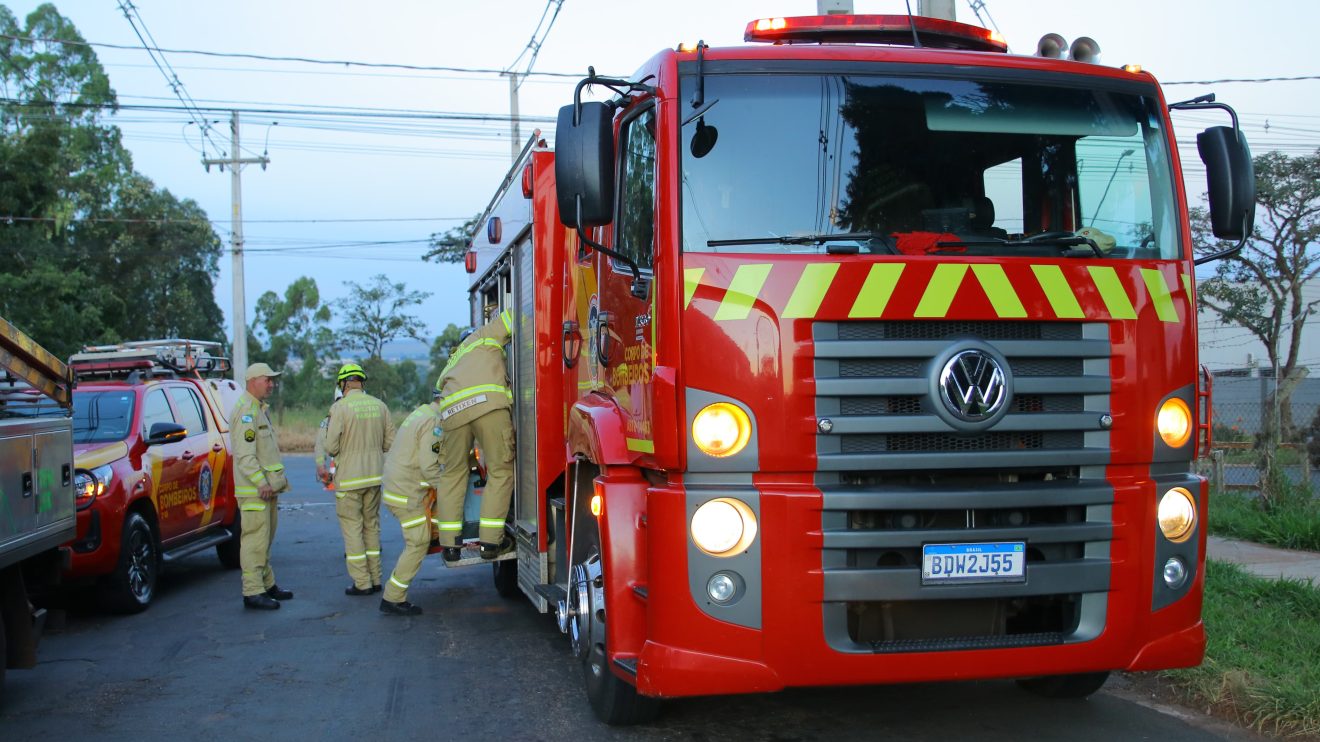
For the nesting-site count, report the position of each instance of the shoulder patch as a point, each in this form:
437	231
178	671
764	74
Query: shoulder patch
250	436
437	431
247	418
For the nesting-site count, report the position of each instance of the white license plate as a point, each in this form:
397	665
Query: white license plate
962	563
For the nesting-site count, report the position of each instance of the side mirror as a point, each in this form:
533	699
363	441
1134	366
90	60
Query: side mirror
1231	177
165	433
584	165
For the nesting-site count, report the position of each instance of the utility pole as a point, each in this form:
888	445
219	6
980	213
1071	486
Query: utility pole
235	164
515	136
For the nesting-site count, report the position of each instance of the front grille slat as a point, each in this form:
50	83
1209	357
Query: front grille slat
890	539
1077	576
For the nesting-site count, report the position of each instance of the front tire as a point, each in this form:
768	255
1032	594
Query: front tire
132	586
1080	685
505	572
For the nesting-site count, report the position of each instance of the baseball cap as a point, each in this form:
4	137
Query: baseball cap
260	369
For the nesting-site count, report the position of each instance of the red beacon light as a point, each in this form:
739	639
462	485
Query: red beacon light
933	33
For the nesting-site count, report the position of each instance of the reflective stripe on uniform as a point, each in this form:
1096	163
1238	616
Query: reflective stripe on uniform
274	467
401	585
360	482
356	557
473	391
240	490
396	499
458	354
413	522
372	553
258	478
508	323
253	506
450	525
492	522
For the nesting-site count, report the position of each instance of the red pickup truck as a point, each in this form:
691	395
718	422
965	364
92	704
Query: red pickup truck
150	427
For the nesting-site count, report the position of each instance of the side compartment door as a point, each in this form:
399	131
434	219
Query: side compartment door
623	333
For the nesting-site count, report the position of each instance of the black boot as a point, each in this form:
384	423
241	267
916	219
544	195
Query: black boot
451	554
400	609
261	602
490	551
355	590
279	593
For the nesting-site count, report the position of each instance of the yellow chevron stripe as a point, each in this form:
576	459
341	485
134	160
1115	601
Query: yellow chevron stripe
876	291
1058	291
743	291
691	279
638	445
1160	295
999	290
1187	286
940	291
810	290
1111	290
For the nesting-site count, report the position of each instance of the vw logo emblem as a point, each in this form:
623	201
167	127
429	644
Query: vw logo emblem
973	386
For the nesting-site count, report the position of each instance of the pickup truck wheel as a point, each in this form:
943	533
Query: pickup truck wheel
132	586
1080	685
227	551
614	701
506	578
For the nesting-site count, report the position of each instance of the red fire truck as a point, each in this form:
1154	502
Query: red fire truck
864	355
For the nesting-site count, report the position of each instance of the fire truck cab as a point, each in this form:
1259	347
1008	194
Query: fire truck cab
840	359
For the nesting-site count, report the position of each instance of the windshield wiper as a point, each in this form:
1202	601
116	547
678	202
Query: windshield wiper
806	239
1064	240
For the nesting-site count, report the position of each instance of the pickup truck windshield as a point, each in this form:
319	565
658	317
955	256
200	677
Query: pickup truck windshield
806	163
102	417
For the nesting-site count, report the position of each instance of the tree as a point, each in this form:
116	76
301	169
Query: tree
449	246
374	314
1261	288
295	327
441	347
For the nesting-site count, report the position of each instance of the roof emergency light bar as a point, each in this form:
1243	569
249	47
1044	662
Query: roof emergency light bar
171	356
901	30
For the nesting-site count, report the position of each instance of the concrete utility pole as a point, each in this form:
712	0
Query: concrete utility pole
515	136
937	9
235	164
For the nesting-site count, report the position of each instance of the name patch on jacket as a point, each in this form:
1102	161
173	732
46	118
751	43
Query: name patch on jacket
460	406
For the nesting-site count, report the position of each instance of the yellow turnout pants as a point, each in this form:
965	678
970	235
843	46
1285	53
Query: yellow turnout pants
416	523
493	432
359	521
259	518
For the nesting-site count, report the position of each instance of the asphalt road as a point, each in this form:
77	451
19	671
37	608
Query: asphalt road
331	667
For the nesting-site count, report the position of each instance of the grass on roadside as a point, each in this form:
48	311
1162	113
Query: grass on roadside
1263	638
1292	523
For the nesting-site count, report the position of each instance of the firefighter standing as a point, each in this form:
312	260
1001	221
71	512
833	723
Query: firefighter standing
258	480
412	467
357	436
474	403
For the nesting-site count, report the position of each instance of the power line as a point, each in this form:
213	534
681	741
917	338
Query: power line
1242	80
303	60
351	113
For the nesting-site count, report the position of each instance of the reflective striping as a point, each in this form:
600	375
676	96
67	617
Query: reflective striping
1187	286
638	445
240	490
274	467
371	553
360	482
258	478
508	321
413	522
743	291
472	391
1111	291
254	507
1058	291
943	286
999	290
492	522
810	290
339	495
691	279
1160	295
396	499
356	557
876	291
400	585
450	525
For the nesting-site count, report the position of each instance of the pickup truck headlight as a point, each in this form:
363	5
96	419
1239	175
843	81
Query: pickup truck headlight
723	527
89	485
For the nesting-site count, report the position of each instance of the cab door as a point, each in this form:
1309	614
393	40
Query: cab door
199	474
623	332
164	464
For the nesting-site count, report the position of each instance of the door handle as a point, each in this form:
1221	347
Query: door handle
572	343
217	448
187	456
603	349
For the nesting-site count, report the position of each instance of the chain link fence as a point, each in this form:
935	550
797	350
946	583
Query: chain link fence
1244	414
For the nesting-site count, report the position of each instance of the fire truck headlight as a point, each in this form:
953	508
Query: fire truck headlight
721	429
723	527
1174	421
1177	515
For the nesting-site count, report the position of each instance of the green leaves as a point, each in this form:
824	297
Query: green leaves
374	314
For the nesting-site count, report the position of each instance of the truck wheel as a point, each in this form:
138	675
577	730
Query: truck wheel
506	578
227	551
1080	685
131	587
614	701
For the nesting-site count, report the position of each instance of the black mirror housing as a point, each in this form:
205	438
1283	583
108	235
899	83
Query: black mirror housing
1231	178
165	433
584	165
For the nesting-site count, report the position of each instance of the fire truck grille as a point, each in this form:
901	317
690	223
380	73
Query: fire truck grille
878	600
877	387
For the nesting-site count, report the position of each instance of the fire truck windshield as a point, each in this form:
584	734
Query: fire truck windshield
923	165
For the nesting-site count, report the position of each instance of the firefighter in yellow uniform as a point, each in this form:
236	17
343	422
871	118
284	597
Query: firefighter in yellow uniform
475	400
357	437
258	481
412	467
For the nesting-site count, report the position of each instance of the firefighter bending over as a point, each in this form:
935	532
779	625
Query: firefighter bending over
474	404
357	437
258	481
412	466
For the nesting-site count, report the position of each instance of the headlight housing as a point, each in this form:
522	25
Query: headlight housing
1174	422
89	485
721	429
1177	515
723	527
